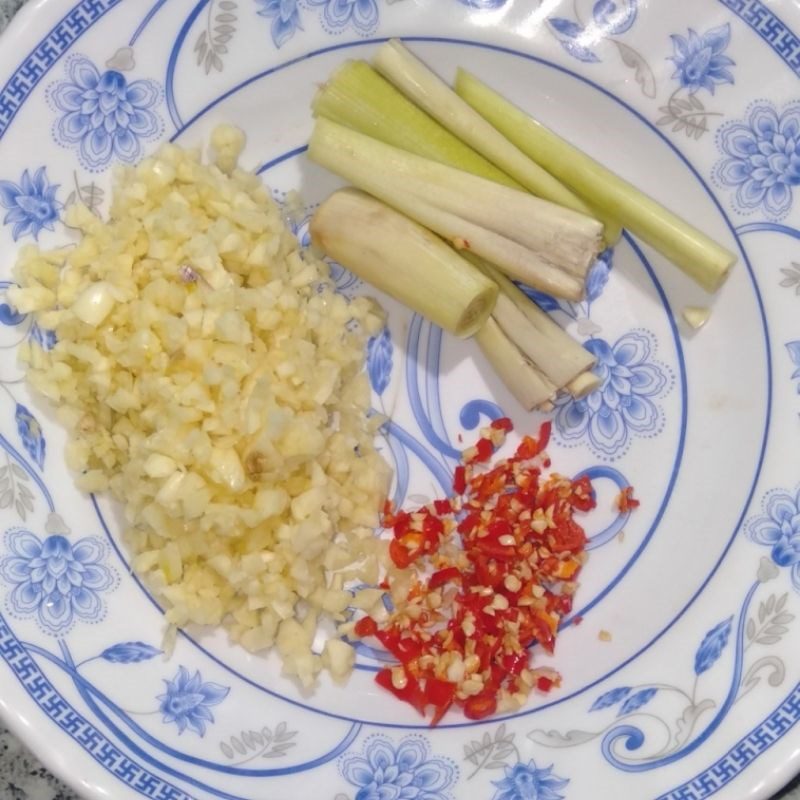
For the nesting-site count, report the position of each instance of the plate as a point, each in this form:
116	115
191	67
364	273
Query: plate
696	687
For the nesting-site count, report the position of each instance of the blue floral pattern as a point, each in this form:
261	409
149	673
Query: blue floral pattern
187	701
485	4
712	646
609	18
761	159
379	361
55	581
338	15
285	16
31	204
104	117
625	403
778	527
30	432
637	700
699	60
46	339
794	354
527	782
614	18
403	772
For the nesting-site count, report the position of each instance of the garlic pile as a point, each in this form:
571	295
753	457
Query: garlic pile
212	379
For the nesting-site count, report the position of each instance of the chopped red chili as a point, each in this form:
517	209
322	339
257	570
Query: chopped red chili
626	501
503	424
443	576
366	626
459	480
496	570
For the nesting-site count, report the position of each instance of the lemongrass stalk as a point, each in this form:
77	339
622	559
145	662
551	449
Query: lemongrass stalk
703	259
585	383
529	386
355	95
403	259
428	91
555	353
539	243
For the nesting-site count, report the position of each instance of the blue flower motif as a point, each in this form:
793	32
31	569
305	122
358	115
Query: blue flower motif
55	581
637	700
623	404
699	60
778	528
711	647
379	361
30	432
613	19
10	316
761	159
340	14
794	354
104	117
46	339
597	278
187	700
483	3
527	782
129	653
31	204
285	16
404	772
610	698
574	38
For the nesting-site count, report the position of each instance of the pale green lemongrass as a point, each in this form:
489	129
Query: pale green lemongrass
700	257
554	352
430	93
522	378
355	95
403	259
538	242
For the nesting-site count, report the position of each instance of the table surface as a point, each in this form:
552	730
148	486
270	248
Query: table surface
22	777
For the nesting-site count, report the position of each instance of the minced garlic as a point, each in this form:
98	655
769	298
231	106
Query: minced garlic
212	379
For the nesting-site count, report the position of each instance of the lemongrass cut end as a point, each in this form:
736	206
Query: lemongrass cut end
585	383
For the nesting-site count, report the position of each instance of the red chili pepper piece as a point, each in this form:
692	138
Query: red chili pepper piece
480	706
402	524
366	626
568	535
402	556
460	480
438	692
499	527
403	648
582	496
491	548
626	501
469	523
485	450
514	663
443	576
503	424
443	507
544	435
411	693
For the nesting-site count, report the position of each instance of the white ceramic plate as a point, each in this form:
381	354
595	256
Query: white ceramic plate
697	692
